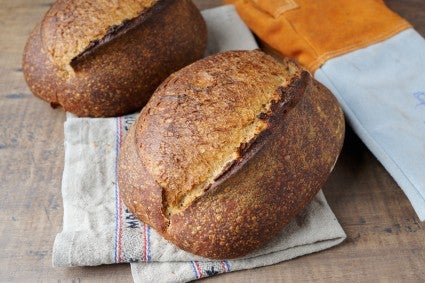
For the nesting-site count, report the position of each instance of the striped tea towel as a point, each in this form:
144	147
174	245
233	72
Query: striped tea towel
99	229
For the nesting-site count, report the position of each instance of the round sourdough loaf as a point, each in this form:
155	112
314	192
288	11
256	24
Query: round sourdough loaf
105	58
228	150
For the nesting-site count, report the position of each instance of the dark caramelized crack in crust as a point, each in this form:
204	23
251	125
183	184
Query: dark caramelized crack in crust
228	150
144	10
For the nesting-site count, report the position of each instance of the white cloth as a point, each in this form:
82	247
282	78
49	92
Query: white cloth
382	91
98	228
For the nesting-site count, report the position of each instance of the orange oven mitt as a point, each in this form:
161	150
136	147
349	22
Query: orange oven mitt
373	62
313	31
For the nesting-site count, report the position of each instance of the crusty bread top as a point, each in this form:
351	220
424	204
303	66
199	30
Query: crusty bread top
70	27
203	118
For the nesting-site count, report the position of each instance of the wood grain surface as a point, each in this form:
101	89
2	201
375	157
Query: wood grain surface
386	241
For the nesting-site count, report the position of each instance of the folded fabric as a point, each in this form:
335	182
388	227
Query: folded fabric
98	228
372	61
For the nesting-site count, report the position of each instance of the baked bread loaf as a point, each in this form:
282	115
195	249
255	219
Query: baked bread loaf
105	58
228	150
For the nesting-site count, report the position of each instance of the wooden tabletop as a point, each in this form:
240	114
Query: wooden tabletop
385	240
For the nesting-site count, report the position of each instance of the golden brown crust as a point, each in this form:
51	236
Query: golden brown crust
273	177
119	69
195	124
63	35
150	209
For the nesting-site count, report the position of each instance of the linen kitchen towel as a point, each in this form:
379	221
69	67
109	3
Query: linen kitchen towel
98	228
373	62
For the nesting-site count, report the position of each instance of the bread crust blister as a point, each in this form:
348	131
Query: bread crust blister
105	58
228	150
